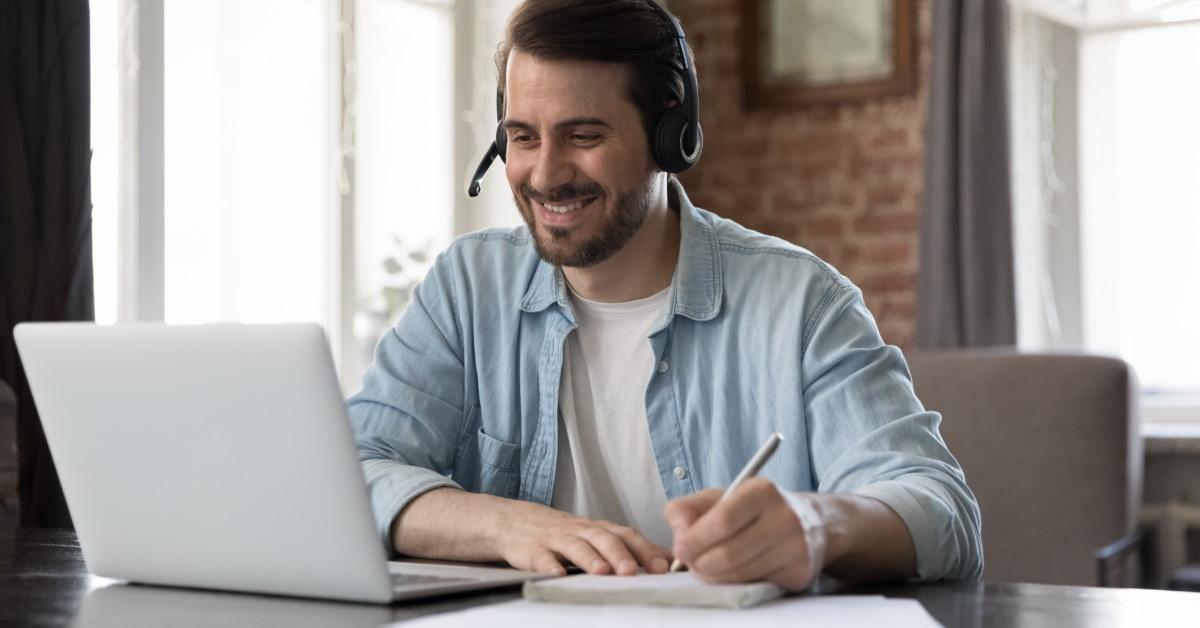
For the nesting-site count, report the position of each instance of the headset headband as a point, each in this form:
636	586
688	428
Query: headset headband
691	95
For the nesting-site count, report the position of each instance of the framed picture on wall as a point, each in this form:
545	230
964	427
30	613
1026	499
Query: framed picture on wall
802	52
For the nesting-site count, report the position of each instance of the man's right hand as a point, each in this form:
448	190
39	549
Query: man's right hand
451	524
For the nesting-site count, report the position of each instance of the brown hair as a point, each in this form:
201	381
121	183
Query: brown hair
629	32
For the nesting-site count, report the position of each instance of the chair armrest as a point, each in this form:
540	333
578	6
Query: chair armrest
1136	541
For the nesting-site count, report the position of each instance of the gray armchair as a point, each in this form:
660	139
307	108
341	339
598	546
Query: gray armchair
1050	446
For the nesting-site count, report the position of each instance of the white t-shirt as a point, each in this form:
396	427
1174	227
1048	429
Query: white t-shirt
606	467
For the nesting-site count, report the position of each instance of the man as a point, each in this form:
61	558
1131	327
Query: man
581	389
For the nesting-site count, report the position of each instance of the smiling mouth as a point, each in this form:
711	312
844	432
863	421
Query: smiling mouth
566	208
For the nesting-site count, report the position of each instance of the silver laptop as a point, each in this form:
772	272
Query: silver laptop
217	456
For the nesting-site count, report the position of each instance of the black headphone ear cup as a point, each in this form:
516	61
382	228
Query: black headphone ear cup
501	141
699	148
668	141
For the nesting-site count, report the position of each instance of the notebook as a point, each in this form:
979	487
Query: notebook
672	589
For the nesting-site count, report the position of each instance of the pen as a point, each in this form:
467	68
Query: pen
750	470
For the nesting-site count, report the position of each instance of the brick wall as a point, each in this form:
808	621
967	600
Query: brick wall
842	180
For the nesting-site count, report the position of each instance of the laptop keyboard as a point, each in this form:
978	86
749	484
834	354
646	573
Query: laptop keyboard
405	579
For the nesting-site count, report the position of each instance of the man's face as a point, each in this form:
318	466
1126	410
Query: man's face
578	161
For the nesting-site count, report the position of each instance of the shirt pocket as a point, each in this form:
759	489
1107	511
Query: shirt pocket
500	466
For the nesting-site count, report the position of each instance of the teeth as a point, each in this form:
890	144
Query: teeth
562	209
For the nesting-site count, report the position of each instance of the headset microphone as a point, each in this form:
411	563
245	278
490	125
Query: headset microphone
482	169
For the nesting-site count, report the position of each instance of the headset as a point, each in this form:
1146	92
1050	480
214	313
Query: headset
676	142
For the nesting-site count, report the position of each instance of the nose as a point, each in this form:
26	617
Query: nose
552	168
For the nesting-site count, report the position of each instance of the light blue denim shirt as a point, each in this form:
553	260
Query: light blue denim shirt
761	336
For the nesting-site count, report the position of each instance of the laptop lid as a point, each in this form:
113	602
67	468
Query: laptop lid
214	456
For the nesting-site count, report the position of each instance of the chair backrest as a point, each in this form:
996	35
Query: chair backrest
1050	447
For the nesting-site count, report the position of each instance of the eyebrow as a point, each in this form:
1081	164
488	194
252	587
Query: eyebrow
569	122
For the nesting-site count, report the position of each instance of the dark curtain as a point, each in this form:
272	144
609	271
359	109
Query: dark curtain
965	294
45	200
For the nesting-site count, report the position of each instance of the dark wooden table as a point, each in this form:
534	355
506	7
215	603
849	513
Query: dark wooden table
44	582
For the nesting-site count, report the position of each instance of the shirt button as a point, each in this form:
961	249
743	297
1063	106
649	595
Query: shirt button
680	472
662	368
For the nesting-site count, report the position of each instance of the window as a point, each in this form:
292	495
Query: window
247	159
313	157
1122	197
104	69
404	188
1141	227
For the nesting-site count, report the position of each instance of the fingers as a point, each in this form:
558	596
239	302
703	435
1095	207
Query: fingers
726	518
654	558
544	538
581	552
783	541
605	548
543	560
739	558
680	513
612	548
783	563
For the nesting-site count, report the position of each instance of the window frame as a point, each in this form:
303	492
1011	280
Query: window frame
140	202
1038	297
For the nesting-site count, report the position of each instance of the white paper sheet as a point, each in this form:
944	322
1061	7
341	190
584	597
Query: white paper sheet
808	611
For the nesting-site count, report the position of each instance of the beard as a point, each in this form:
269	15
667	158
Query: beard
557	246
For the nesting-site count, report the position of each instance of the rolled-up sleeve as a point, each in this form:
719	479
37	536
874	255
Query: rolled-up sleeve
409	415
869	435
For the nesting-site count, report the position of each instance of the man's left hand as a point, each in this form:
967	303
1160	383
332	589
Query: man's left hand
758	533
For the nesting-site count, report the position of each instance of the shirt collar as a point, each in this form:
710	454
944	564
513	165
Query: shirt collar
695	286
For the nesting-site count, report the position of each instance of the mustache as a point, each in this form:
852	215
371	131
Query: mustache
562	192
